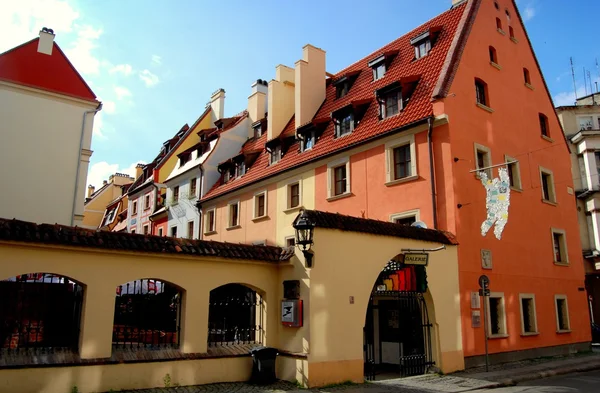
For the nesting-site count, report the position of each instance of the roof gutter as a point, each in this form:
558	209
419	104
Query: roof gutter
98	109
432	171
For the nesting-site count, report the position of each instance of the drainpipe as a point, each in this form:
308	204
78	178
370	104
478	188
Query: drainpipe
98	109
432	171
198	206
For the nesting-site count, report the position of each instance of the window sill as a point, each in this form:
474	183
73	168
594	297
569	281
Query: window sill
517	189
261	218
233	227
497	336
527	85
293	209
501	31
341	196
551	203
513	39
563	331
563	264
530	334
403	180
495	65
547	138
147	208
210	233
192	197
174	203
341	136
485	108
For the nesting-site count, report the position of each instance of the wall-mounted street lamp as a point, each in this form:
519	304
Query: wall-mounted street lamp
304	227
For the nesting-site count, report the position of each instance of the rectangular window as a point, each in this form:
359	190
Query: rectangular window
562	314
160	232
379	71
173	231
293	195
391	104
341	90
544	125
175	194
405	218
209	221
339	180
132	230
483	159
547	185
309	140
528	314
258	131
586	123
260	205
497	315
597	156
402	164
514	172
480	92
290	242
526	76
134	208
146	229
190	228
192	188
422	48
559	246
408	221
146	202
276	154
234	214
344	125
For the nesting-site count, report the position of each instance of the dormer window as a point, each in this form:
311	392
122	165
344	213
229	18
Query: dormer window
240	168
258	129
344	125
275	154
309	140
381	64
422	48
341	90
185	158
424	42
344	83
390	100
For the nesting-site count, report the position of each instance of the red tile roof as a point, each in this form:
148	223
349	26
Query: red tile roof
28	232
24	65
419	108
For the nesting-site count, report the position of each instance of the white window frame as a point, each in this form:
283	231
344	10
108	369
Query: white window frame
255	205
487	160
504	332
208	231
288	195
563	246
416	213
231	225
287	238
528	296
344	161
556	311
376	66
552	190
389	159
517	179
275	158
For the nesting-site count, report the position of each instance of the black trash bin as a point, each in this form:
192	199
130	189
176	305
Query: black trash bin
263	365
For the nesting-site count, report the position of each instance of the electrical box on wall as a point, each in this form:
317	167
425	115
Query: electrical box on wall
291	313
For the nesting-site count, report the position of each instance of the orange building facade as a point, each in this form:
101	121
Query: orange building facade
473	96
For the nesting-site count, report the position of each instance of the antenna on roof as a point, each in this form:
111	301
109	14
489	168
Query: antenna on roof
573	73
585	81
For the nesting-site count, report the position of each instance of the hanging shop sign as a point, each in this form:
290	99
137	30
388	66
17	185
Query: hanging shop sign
416	259
291	313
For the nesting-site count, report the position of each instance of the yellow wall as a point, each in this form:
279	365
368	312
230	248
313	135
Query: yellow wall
93	211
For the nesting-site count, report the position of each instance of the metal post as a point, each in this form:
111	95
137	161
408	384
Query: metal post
485	327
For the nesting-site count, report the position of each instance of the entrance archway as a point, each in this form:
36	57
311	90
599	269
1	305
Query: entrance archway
397	331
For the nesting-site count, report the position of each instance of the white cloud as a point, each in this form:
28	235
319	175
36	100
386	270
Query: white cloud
124	69
122	92
80	51
528	13
156	59
109	107
102	170
564	98
98	126
149	78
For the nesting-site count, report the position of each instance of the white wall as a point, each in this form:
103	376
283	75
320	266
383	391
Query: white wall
184	211
39	150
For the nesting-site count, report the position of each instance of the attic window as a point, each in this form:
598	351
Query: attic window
275	154
341	90
258	129
344	124
390	100
379	67
422	44
344	84
185	158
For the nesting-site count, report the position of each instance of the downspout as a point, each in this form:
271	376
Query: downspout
432	171
98	109
199	206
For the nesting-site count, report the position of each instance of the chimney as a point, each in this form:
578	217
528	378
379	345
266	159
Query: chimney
310	84
104	182
91	190
217	103
46	41
281	101
119	179
257	102
139	169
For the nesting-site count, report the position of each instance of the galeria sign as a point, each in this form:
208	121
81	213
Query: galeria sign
416	259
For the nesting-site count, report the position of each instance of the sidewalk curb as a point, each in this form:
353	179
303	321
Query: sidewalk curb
549	373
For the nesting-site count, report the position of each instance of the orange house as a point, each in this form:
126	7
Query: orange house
400	136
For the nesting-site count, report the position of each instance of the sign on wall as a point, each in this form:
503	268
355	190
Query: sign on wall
291	313
416	259
476	318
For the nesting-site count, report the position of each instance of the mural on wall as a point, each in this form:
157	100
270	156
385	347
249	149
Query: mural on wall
497	201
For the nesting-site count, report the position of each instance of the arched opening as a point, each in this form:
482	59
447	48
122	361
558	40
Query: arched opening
397	332
235	316
40	311
147	315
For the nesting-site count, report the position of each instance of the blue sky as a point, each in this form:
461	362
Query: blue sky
155	64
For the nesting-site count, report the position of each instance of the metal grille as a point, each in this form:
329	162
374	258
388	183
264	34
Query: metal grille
235	316
147	315
41	312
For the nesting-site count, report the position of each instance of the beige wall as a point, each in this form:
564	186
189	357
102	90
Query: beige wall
39	150
281	101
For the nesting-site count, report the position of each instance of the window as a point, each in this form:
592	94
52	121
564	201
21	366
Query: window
496	315
511	31
493	55
499	24
160	232
408	221
405	218
192	188
258	131
234	214
209	221
260	205
338	177
293	195
528	314
342	89
309	140
481	92
586	123
379	71
339	180
175	194
146	201
496	5
134	208
559	246
547	185
597	156
344	125
290	241
483	159
507	14
526	76
514	172
190	233
391	103
544	125
146	229
422	48
401	160
275	154
173	231
185	158
562	314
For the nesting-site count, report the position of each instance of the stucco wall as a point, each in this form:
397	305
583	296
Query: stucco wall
182	212
39	150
